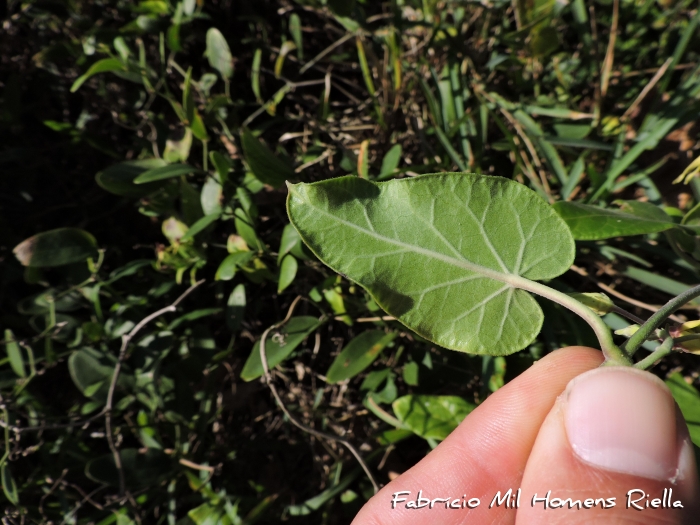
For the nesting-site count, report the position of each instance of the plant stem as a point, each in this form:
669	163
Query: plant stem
614	355
662	350
624	313
641	335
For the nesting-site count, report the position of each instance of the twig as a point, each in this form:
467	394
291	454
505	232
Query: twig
196	466
371	319
629	315
650	85
323	53
627	299
126	339
292	419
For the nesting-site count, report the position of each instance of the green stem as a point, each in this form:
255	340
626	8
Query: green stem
641	335
624	313
661	351
613	354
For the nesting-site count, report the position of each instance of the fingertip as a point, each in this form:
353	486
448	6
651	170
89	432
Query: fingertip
613	430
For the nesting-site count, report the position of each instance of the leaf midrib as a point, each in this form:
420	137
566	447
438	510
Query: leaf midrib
505	277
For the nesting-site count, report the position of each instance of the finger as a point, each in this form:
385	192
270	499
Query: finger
487	453
617	446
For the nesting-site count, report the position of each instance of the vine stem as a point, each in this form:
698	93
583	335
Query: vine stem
645	330
614	355
126	339
283	407
660	351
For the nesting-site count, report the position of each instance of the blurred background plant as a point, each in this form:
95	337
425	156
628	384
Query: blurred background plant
145	146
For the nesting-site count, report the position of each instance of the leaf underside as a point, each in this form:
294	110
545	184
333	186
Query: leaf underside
442	253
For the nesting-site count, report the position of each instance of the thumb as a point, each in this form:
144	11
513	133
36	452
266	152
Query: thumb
613	449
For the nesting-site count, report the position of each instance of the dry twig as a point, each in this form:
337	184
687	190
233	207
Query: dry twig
292	419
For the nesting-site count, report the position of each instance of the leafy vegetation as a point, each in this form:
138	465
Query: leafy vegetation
145	154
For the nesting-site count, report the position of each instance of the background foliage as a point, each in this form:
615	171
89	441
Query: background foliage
152	139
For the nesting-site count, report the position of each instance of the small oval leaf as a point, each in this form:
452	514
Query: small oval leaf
14	354
119	178
9	487
101	66
288	271
264	164
218	53
235	308
89	367
56	248
140	469
279	345
165	172
358	355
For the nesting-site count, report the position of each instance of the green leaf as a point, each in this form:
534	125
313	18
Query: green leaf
358	355
211	195
188	104
431	417
9	487
446	254
192	316
591	223
290	240
56	248
544	40
688	400
101	66
692	218
391	161
119	178
14	354
228	267
246	229
218	53
206	514
264	164
645	210
255	75
279	345
598	302
691	171
88	367
140	469
288	271
222	164
190	203
295	31
235	308
178	149
410	373
165	172
200	225
198	128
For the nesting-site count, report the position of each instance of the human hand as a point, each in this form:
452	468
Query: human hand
564	426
